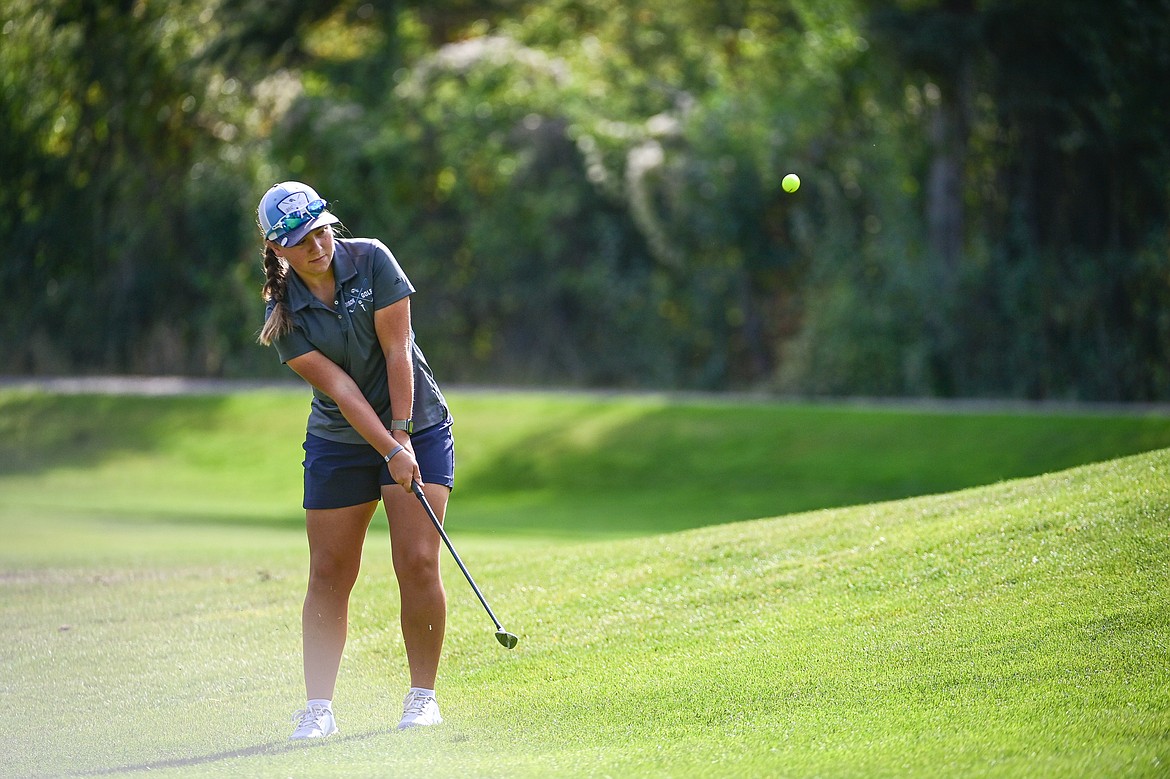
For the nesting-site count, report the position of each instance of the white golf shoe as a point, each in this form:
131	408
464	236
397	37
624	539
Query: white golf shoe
315	721
419	710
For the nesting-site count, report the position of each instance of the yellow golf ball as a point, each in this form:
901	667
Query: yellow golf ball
791	182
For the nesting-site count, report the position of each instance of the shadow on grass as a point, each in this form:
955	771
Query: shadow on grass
620	468
40	431
577	466
269	749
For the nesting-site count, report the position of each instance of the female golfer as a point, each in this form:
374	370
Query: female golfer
338	313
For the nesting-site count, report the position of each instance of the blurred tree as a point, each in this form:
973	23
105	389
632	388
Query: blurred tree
104	160
1021	201
1081	198
586	191
127	156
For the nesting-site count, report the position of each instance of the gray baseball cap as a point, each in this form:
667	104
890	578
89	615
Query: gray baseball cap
291	210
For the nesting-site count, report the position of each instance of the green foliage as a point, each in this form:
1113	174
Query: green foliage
123	221
1057	210
587	192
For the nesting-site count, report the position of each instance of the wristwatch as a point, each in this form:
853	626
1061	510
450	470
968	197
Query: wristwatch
402	424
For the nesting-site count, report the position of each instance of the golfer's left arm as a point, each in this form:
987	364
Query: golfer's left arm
392	323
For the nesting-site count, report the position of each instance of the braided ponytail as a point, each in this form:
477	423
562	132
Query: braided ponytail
275	290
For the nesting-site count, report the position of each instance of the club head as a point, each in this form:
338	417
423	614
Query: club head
506	638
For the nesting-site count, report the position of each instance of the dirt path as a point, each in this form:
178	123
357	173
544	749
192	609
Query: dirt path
180	385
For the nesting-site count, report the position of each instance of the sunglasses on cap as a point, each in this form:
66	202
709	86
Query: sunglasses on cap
294	219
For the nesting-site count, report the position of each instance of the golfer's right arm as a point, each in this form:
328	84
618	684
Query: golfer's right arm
328	377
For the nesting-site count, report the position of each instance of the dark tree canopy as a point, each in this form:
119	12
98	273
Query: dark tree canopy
587	192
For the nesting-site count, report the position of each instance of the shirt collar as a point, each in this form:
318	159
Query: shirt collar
343	270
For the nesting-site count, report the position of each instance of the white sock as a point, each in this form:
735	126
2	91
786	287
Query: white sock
422	691
320	702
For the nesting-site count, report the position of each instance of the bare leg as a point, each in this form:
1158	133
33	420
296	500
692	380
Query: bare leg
415	545
335	555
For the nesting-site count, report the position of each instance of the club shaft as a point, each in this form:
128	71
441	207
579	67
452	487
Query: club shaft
422	498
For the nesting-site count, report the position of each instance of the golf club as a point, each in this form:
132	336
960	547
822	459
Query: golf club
504	637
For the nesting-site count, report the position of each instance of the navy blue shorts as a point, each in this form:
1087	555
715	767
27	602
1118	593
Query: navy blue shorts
339	475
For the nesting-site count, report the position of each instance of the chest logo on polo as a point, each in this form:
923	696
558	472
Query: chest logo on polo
358	297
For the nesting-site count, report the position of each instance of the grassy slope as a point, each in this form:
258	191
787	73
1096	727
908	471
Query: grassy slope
539	463
1011	630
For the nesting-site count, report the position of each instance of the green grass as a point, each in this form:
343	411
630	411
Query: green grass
575	465
1017	629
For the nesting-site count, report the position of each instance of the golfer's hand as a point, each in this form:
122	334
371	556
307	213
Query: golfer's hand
404	468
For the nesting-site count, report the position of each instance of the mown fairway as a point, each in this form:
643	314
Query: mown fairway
540	464
150	616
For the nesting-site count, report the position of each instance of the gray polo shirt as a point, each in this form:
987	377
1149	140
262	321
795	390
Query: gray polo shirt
367	278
